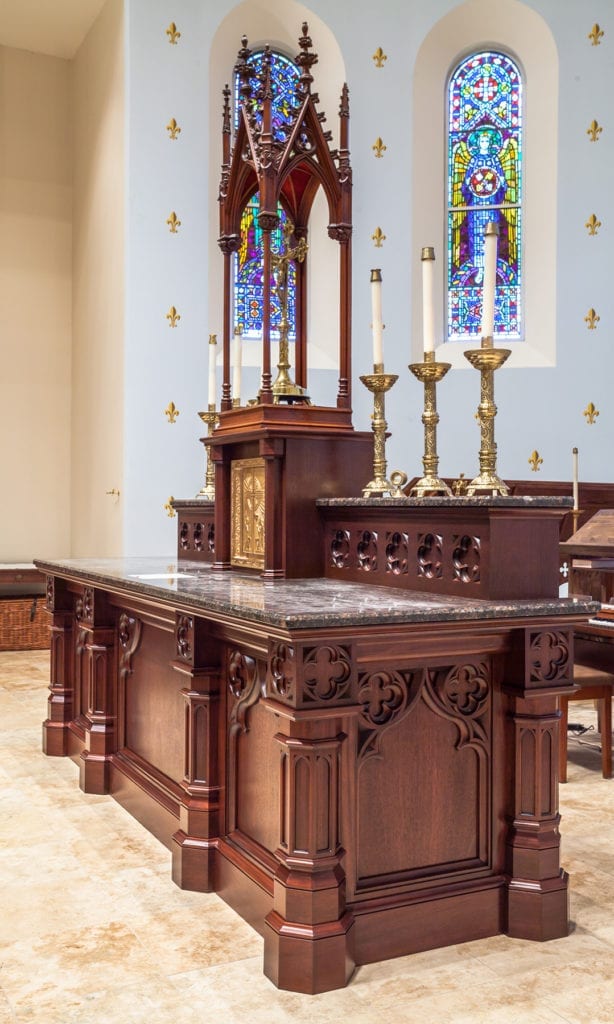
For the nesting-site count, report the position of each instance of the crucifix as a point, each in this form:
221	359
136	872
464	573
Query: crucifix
284	389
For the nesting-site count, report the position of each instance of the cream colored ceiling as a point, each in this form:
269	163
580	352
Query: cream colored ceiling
56	27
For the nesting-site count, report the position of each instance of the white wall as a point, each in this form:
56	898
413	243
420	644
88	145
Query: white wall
97	83
35	305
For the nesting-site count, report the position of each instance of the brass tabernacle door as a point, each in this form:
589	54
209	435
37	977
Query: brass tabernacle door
247	504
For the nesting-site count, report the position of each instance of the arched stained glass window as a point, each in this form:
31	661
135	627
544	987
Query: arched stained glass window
248	291
484	183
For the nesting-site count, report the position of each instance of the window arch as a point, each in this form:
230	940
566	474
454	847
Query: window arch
484	161
247	269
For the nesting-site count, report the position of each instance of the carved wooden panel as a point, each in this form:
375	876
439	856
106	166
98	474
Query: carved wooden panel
432	729
247	500
327	673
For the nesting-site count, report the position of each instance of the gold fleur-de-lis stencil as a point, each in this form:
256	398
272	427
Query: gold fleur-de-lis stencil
171	412
173	317
594	130
591	413
168	508
535	460
379	57
593	224
379	148
173	223
595	35
173	33
378	237
173	128
591	320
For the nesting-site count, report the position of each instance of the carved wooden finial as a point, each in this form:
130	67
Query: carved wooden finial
344	106
305	60
226	110
243	70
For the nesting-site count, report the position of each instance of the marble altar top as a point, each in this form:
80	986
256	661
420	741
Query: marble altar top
475	501
295	604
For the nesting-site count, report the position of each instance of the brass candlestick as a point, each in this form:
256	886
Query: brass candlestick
487	359
208	489
379	383
430	373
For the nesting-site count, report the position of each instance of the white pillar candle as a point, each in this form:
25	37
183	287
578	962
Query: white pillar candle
491	235
377	326
212	358
428	304
574	457
237	365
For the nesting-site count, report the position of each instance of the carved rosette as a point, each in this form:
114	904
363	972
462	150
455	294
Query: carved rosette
429	555
129	634
385	698
327	673
397	553
366	550
462	695
340	549
550	658
184	637
282	670
466	559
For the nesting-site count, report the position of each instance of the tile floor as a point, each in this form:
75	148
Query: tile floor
93	930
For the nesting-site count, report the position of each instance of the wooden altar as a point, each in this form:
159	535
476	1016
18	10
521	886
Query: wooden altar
339	714
361	772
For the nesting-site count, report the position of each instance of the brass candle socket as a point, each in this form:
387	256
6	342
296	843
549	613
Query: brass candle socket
430	373
211	418
487	359
379	383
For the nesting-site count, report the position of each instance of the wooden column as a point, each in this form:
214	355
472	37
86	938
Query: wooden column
307	939
95	620
222	512
194	842
273	450
60	701
538	888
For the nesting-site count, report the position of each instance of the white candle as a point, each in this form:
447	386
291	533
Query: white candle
377	326
574	456
236	365
212	357
428	305
490	279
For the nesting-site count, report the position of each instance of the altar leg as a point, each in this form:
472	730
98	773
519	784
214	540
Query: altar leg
60	701
99	713
538	890
308	933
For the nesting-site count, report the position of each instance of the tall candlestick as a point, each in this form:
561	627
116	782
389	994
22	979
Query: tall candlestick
491	235
574	457
377	326
236	366
428	305
212	358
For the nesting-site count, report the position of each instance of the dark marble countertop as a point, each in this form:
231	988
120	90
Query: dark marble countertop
476	501
295	604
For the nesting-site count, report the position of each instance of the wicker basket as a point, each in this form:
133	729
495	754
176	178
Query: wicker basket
24	623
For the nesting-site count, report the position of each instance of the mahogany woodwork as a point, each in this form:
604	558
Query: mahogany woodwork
356	791
288	167
481	552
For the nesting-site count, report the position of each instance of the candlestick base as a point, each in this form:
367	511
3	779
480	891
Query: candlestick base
487	359
211	418
430	373
379	383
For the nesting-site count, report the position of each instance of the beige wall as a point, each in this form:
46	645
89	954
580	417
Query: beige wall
35	305
97	74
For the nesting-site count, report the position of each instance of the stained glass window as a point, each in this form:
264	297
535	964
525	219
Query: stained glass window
248	291
484	183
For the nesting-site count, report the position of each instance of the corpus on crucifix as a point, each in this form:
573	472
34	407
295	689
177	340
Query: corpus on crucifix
284	389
